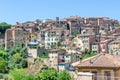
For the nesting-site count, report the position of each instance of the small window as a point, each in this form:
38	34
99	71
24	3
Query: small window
107	75
67	56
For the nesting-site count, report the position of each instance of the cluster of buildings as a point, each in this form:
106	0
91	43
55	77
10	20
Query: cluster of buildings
64	40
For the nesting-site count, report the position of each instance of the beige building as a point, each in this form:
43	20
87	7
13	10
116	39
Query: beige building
87	40
114	47
33	52
53	58
15	36
77	42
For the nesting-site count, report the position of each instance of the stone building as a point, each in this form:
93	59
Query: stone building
14	37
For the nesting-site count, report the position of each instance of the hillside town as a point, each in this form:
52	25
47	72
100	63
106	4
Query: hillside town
61	44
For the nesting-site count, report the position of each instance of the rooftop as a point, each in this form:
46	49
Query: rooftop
100	60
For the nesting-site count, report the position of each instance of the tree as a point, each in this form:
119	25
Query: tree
19	74
3	54
52	74
64	75
23	52
2	65
58	44
86	51
3	27
48	74
17	58
24	63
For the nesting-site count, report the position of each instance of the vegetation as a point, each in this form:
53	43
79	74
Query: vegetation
19	74
14	58
45	74
2	65
58	44
63	75
49	74
75	33
13	66
44	56
52	74
3	27
85	56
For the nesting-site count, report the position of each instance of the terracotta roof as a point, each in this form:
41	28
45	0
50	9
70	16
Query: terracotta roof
100	60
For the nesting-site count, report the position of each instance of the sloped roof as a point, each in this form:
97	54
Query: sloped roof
100	60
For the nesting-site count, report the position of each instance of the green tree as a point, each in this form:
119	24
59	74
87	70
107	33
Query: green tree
64	75
2	65
19	74
3	27
17	58
86	51
23	52
24	63
48	74
58	44
3	54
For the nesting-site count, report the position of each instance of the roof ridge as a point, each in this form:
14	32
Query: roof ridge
91	57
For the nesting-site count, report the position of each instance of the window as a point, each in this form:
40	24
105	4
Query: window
48	44
95	75
51	43
107	75
56	39
48	39
67	56
52	39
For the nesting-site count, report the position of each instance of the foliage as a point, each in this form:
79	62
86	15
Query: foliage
24	63
74	33
3	54
3	27
45	74
64	75
19	74
2	65
16	57
2	47
15	62
58	44
44	56
52	74
49	74
84	56
86	51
